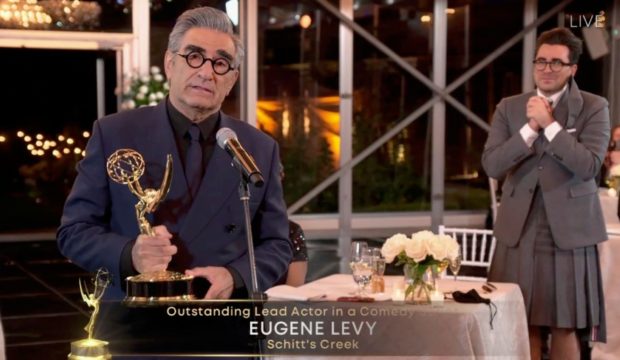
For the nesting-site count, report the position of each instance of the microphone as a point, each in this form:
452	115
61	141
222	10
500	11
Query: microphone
227	140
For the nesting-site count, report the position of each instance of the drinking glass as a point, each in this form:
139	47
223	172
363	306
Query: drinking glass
455	264
361	265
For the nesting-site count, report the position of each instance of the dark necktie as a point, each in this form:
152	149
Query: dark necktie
193	160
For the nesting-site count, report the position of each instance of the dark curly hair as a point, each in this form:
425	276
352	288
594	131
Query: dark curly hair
562	36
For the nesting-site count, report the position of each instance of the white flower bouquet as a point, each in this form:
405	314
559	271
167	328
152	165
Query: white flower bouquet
422	252
145	90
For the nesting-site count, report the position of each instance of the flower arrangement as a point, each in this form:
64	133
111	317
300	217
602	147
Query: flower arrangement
145	90
422	252
613	180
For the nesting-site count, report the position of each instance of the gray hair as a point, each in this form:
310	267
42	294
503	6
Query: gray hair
205	17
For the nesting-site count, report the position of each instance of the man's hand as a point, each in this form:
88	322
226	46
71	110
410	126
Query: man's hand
538	110
220	278
153	253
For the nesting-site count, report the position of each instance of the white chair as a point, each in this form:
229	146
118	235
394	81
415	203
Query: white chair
474	244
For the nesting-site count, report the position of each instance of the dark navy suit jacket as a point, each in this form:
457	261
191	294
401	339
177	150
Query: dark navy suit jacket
99	216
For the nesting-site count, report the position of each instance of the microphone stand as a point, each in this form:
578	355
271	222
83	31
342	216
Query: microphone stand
256	296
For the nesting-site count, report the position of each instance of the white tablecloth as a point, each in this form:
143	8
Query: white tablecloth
452	330
609	255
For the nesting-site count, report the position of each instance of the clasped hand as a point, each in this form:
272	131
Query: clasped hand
539	113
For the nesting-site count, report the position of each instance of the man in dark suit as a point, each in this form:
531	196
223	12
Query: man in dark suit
199	226
548	145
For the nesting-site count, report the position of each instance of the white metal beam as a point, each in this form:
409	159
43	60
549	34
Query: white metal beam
345	183
440	41
248	28
530	11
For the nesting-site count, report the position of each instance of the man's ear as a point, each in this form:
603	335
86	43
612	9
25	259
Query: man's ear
573	70
234	82
168	60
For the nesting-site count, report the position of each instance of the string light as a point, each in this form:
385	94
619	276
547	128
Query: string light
2	138
16	14
39	146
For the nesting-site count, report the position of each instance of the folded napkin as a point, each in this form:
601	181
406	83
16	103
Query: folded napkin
287	292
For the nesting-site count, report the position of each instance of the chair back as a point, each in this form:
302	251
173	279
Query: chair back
477	247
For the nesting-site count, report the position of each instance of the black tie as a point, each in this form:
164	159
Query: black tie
193	160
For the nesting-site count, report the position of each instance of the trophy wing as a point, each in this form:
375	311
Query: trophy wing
167	180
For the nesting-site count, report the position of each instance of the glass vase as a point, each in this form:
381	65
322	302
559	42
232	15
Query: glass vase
421	282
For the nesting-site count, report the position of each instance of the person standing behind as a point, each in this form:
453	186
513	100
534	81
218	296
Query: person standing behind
548	145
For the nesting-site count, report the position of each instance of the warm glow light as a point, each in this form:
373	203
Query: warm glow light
70	141
425	18
27	138
286	123
40	152
30	147
33	152
450	11
2	138
39	143
66	151
305	21
77	150
83	152
56	153
39	137
400	155
86	134
61	138
306	122
324	113
20	134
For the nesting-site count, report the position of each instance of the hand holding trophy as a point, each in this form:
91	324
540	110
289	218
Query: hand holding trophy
92	348
126	166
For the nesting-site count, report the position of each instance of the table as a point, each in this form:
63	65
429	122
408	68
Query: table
609	253
430	331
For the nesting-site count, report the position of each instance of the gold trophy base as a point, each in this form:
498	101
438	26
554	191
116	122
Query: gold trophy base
89	349
158	288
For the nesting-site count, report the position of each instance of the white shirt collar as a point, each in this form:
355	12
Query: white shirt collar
555	97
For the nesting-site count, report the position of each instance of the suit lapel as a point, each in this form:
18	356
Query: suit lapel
218	184
575	104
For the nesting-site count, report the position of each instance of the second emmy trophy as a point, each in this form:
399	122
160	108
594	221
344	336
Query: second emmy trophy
91	348
126	166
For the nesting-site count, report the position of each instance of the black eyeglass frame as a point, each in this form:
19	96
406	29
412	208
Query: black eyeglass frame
555	65
205	59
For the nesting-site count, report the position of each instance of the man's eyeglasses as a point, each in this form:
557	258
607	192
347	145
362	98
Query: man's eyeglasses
554	65
195	60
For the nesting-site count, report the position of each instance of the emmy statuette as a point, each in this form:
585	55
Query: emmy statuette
126	166
91	348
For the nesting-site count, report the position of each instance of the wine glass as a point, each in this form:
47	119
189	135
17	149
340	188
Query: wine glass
361	265
377	284
455	264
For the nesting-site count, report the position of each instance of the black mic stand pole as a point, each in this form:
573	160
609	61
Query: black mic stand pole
257	296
